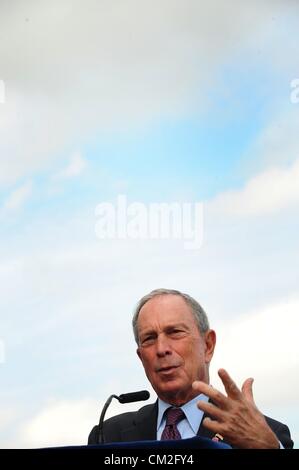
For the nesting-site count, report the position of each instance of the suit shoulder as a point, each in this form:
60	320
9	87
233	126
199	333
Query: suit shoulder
274	424
116	424
282	432
132	415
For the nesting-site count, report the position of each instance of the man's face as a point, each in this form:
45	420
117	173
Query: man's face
171	348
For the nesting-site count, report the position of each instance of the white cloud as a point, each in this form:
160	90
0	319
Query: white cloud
66	423
277	143
268	192
2	92
17	198
60	423
2	351
7	416
114	65
263	344
76	166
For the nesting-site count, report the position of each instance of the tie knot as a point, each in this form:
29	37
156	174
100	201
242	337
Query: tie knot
174	416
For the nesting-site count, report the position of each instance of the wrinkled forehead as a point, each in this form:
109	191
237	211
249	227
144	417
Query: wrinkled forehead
165	310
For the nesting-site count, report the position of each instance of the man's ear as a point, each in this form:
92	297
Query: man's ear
138	353
210	340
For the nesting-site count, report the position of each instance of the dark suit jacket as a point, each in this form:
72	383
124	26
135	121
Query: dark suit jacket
141	425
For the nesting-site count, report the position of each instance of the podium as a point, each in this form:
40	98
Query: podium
197	452
133	454
191	443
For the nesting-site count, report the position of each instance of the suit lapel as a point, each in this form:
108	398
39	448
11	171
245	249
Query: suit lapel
203	431
144	425
146	422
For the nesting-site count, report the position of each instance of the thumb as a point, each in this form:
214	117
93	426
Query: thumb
247	390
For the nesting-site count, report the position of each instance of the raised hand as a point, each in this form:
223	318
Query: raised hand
235	416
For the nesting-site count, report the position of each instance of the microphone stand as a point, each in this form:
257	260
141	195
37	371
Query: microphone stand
124	398
100	437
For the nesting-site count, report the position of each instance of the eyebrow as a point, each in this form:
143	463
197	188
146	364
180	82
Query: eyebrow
166	328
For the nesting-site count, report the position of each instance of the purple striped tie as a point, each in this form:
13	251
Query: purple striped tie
173	417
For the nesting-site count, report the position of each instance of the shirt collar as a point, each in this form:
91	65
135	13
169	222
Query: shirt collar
193	414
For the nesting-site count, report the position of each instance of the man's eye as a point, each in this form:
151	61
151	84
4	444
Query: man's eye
177	333
147	340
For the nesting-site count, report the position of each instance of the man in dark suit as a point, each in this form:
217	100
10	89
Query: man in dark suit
175	346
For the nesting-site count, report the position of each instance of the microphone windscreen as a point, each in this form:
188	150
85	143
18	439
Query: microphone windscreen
135	396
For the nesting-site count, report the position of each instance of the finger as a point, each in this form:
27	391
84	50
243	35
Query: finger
211	410
247	390
211	424
214	394
201	387
231	388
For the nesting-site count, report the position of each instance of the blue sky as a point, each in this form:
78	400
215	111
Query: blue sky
161	103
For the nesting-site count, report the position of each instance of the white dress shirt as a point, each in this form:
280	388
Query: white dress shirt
188	426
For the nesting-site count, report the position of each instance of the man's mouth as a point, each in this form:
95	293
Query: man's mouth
166	369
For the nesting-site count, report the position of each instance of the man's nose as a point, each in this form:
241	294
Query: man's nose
163	346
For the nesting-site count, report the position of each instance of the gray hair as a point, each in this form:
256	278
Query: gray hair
197	311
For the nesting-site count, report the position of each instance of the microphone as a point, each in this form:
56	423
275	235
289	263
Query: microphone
135	396
124	398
